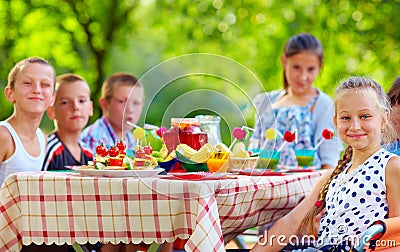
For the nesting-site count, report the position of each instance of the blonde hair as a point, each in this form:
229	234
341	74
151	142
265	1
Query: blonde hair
12	76
68	78
364	86
116	80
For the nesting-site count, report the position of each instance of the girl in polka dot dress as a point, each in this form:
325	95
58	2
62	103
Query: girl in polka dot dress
364	186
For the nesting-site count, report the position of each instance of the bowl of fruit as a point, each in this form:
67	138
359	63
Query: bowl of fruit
189	165
241	159
168	165
164	159
194	160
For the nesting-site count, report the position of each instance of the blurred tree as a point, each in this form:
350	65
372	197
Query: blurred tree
76	36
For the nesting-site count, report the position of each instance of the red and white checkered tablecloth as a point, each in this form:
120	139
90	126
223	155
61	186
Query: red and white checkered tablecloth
46	207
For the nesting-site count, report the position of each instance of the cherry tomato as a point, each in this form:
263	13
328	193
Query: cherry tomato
115	161
140	153
121	145
113	152
101	150
148	150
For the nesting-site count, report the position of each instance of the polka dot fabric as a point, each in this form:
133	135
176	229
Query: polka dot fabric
354	200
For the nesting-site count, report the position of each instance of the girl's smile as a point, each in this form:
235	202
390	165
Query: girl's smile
356	136
358	120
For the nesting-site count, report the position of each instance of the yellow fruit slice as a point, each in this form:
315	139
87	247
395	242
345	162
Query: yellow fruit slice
242	154
238	147
100	159
270	134
171	156
203	154
152	159
164	151
221	148
186	150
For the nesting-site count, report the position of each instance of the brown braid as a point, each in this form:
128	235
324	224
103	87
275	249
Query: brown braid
308	222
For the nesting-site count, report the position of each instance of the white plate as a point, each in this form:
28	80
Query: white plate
72	167
287	168
120	173
197	176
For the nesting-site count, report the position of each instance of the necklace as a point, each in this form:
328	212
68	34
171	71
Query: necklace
343	177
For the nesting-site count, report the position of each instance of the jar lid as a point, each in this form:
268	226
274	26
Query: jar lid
185	121
208	118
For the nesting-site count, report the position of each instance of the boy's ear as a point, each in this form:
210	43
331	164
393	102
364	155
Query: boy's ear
335	121
53	99
9	92
103	104
50	113
91	108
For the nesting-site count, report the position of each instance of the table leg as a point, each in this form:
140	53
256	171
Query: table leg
240	242
154	247
79	248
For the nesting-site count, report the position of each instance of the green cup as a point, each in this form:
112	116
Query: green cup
268	159
305	157
153	140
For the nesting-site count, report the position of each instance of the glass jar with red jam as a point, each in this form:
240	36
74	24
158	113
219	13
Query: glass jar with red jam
186	131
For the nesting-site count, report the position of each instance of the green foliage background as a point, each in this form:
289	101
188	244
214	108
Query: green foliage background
97	38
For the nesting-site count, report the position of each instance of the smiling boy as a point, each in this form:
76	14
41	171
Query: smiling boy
31	90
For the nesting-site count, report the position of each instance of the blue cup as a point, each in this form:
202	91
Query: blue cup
305	157
268	159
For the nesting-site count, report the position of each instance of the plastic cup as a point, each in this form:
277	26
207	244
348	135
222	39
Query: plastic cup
269	159
305	157
237	164
218	162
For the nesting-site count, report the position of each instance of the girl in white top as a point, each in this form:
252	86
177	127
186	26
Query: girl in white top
31	89
363	188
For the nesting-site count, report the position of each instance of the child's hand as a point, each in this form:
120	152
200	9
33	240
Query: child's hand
317	221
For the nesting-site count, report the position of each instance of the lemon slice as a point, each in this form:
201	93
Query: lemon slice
186	150
222	148
203	154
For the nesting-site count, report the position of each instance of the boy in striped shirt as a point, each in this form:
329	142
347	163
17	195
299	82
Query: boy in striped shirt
70	112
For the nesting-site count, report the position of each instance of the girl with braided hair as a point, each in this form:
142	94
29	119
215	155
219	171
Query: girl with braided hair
364	186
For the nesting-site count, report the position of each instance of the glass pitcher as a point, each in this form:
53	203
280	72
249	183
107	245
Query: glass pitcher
211	125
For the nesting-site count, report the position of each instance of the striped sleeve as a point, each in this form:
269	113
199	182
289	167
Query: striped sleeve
53	147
